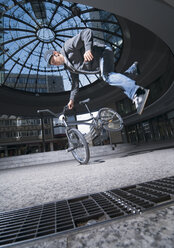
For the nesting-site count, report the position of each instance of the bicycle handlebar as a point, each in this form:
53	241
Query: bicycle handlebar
47	111
40	111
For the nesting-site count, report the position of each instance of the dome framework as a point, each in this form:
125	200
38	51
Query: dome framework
29	28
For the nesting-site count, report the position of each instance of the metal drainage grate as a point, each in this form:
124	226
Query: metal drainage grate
62	216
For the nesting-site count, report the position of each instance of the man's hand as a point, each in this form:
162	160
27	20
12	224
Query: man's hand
71	104
88	56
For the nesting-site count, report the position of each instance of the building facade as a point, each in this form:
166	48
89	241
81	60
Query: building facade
19	136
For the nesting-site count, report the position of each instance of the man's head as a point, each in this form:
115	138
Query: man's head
54	58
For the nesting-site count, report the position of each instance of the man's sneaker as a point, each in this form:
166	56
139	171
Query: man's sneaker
133	71
140	99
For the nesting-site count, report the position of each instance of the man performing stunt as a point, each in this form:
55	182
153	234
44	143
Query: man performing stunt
80	55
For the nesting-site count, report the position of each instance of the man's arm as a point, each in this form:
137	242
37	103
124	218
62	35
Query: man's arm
83	39
74	89
87	38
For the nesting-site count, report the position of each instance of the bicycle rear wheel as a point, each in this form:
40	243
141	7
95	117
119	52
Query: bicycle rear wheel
110	119
78	146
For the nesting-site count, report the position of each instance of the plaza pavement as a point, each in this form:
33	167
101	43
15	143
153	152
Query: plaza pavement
30	186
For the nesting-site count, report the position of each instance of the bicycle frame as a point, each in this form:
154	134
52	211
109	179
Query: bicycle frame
81	122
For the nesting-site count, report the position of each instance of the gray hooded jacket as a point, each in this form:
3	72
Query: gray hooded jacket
73	51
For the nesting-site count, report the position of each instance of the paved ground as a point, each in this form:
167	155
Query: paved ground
28	186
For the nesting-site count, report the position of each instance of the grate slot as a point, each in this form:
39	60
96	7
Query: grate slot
78	199
63	219
46	227
45	233
66	223
65	228
26	237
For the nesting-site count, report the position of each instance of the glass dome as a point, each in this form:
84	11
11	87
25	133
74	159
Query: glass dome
29	28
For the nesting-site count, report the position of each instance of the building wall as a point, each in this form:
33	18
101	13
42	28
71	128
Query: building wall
21	136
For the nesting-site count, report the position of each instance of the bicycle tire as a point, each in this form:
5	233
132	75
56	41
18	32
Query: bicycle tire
80	148
110	119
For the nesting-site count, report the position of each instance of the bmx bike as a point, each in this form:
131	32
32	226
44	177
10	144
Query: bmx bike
106	118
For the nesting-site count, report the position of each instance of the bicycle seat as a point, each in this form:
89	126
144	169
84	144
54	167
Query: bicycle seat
84	101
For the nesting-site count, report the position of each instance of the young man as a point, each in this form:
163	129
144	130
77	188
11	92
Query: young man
80	55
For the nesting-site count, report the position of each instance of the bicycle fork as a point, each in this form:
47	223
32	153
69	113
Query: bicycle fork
69	149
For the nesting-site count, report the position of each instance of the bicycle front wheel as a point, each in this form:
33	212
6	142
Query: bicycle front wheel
110	119
78	146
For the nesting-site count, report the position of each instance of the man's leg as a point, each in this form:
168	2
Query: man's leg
137	94
116	79
126	84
